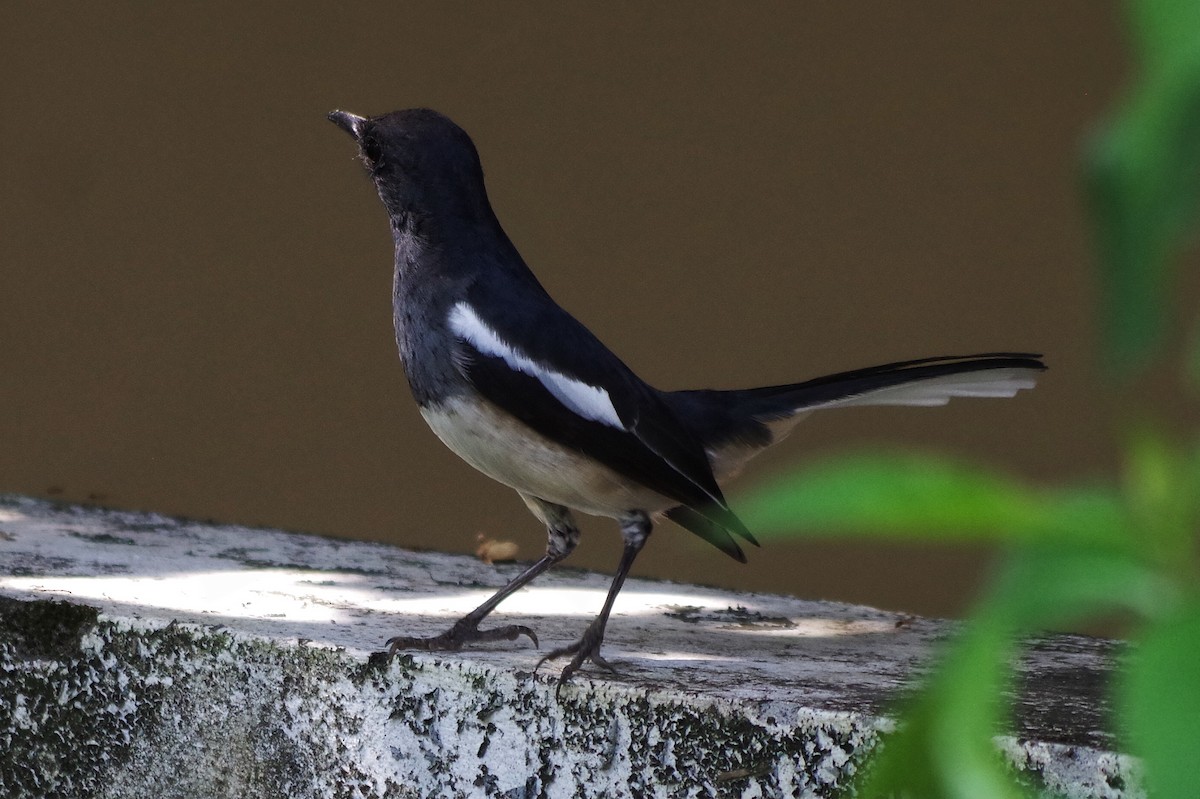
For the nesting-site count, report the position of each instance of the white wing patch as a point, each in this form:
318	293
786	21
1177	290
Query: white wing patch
588	401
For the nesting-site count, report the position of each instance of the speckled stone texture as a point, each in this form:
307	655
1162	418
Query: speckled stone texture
143	656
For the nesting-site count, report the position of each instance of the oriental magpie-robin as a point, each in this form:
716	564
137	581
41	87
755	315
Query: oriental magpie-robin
527	395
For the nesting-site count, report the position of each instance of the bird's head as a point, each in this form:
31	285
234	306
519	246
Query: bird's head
424	166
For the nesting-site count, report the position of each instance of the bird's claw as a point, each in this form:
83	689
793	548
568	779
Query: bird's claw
585	650
459	636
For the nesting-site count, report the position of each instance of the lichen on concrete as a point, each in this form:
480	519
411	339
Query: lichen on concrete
115	707
144	656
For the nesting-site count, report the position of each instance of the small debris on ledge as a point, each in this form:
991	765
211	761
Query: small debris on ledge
489	550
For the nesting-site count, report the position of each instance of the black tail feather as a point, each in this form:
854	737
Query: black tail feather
789	398
720	416
710	531
740	417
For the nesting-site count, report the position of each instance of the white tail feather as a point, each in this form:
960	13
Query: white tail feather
939	390
929	392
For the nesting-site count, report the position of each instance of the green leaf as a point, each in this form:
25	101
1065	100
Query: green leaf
1164	30
1143	180
1191	366
1160	699
1162	493
1047	587
945	747
910	497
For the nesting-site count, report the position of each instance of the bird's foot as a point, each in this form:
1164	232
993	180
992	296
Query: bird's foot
585	650
462	633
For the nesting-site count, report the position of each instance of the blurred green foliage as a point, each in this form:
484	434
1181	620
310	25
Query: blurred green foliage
1128	545
1143	178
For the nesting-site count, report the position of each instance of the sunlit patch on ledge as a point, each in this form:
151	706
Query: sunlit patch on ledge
550	602
269	593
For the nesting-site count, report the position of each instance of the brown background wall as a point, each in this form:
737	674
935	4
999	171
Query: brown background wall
195	312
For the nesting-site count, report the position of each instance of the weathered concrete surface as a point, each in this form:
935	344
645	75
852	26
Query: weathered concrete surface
147	656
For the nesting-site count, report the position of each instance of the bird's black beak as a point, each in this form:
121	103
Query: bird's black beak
348	122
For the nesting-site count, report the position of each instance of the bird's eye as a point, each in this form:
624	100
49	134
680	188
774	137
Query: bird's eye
371	150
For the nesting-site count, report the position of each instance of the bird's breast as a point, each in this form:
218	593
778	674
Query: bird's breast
508	451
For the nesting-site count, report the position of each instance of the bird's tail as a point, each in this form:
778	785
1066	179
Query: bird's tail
757	417
928	381
736	425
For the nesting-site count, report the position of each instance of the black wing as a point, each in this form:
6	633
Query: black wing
650	446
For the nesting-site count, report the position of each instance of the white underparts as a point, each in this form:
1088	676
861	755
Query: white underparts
511	453
588	401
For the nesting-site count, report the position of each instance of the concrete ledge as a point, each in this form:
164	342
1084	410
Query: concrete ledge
147	656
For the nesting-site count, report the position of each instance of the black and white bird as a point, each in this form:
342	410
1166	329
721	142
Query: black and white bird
527	395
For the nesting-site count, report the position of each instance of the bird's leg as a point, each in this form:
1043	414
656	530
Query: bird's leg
635	529
562	536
